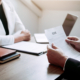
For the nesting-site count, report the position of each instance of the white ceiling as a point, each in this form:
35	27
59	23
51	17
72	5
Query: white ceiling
58	4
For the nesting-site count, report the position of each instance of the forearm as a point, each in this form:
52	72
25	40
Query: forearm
6	40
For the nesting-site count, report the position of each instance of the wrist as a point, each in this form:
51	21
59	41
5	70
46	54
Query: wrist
19	38
63	61
22	37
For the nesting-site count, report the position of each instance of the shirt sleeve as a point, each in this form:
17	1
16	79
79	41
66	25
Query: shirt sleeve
64	65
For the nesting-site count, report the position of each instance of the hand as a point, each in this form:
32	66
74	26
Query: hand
26	35
56	56
74	41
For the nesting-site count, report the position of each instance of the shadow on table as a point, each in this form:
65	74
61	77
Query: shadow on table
52	69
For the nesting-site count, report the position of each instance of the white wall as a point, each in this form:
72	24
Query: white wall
52	18
29	19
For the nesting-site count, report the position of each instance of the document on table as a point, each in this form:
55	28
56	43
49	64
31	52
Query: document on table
57	36
29	47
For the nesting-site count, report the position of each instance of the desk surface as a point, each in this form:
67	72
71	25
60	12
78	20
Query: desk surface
29	67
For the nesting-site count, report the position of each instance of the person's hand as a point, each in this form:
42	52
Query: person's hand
56	56
74	41
26	35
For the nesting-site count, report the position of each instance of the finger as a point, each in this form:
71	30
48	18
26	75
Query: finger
27	30
54	47
72	38
48	47
73	46
77	49
70	41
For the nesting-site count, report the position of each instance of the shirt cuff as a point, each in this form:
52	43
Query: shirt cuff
65	64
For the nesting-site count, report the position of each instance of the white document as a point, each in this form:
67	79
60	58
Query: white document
29	47
41	38
57	36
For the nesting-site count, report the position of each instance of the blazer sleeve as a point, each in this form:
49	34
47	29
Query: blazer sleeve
18	27
18	24
72	70
6	40
72	65
9	39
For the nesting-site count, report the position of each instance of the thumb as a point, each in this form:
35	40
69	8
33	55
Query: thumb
70	41
54	47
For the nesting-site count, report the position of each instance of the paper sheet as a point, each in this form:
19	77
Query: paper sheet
57	36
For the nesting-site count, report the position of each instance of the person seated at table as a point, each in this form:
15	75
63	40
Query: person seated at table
70	66
11	28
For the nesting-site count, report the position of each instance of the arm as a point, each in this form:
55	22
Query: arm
10	39
6	40
72	70
18	25
20	33
57	57
71	66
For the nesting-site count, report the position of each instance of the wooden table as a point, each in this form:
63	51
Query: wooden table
29	67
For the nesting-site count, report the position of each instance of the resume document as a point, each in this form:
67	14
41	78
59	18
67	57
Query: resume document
57	36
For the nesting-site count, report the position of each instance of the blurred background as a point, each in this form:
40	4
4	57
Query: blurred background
38	15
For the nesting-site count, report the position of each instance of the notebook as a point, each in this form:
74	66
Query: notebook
9	58
5	52
29	47
41	38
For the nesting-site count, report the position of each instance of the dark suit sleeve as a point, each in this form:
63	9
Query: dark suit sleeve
72	70
72	65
